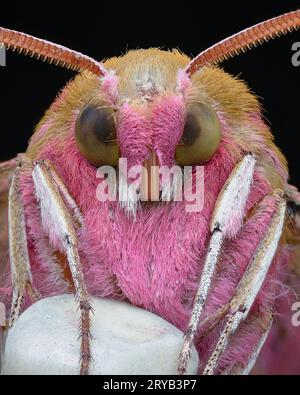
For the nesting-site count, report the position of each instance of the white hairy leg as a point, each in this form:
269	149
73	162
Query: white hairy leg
251	361
57	221
251	281
2	327
67	198
18	249
229	210
240	369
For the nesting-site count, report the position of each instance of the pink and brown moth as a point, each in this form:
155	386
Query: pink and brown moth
216	273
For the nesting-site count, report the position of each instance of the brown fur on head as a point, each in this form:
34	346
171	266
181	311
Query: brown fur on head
157	69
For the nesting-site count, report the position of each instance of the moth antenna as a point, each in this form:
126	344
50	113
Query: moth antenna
245	39
50	52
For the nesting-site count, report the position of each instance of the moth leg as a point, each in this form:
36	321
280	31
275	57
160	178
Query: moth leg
18	249
212	321
33	292
252	359
2	328
251	281
57	220
239	369
229	210
67	198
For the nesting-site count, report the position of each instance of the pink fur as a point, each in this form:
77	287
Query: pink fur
138	131
167	119
280	354
155	261
41	132
183	81
110	87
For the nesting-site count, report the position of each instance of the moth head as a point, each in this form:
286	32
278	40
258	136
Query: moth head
139	110
146	116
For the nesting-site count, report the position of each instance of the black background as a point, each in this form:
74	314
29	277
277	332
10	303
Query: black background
94	384
106	29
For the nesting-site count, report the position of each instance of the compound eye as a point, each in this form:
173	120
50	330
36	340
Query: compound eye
201	135
95	133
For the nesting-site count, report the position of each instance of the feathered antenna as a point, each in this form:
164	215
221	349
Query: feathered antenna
50	52
244	40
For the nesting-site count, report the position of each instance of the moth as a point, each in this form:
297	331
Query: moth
215	272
